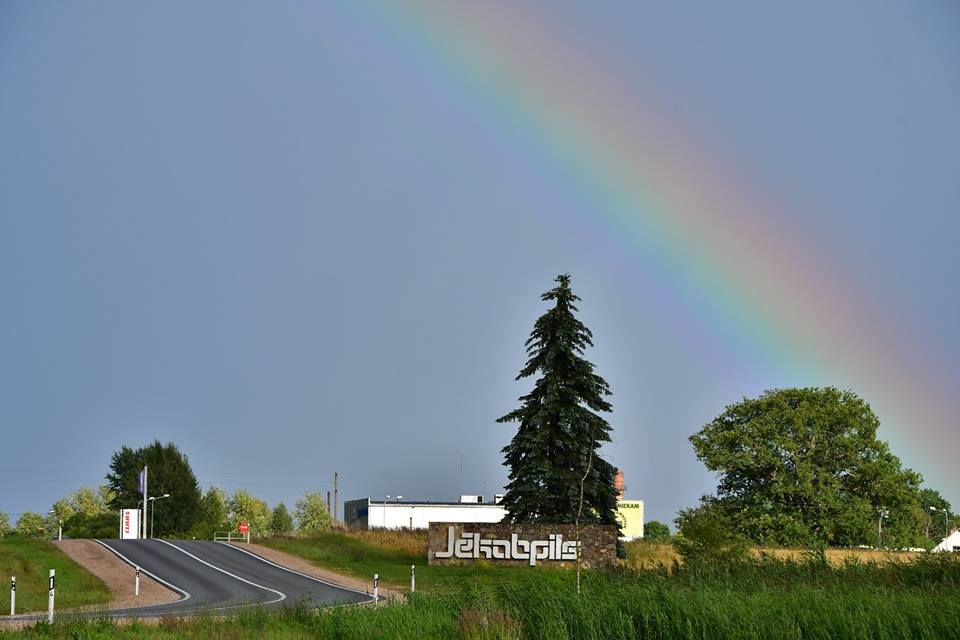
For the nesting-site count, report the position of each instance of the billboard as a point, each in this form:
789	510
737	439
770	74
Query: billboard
630	517
129	524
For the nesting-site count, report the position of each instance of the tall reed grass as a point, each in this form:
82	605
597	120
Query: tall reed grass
755	599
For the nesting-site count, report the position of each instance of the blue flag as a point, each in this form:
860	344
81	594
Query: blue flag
142	480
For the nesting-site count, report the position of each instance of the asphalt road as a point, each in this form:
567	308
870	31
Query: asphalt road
217	578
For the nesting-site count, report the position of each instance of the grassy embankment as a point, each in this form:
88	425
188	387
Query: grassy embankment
30	561
761	598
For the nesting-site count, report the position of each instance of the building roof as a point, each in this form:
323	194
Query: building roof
425	503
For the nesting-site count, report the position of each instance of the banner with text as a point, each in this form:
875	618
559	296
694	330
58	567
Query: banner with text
129	524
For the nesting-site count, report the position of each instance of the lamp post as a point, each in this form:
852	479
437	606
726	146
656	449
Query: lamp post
884	513
946	520
153	508
60	529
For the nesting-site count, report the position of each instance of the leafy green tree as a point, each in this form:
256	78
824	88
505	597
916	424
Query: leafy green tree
214	514
935	511
5	529
281	522
805	467
79	511
168	472
101	525
245	507
559	433
312	514
707	535
656	531
89	502
31	525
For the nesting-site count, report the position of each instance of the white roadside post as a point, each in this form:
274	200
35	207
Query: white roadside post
413	578
376	589
13	594
136	584
53	580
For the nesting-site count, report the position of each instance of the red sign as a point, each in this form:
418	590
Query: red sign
244	527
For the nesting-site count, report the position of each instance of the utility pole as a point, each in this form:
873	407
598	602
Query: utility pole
335	488
328	503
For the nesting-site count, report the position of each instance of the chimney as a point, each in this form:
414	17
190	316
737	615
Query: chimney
618	484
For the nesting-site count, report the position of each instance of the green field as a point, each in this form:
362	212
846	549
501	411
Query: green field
30	561
761	598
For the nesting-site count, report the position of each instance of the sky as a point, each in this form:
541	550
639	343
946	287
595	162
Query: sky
304	238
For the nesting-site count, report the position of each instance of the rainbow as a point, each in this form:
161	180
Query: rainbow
654	192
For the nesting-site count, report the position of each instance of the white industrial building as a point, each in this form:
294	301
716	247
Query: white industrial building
950	543
395	514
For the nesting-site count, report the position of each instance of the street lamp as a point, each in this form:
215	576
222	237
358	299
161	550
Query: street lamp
60	530
153	508
946	520
884	513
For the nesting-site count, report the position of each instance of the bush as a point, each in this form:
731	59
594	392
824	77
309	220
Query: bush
707	537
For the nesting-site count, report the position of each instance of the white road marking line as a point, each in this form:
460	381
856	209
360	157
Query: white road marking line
186	594
282	595
305	575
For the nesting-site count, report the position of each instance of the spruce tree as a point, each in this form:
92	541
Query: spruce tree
560	432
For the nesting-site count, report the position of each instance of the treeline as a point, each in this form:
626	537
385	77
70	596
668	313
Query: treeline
188	512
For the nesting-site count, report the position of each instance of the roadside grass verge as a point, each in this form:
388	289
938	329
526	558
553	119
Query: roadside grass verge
362	555
30	560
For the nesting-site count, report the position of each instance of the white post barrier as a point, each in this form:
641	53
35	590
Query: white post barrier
53	581
136	585
376	588
13	595
413	578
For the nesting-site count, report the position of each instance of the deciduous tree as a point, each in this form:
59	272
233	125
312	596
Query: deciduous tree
245	507
805	467
168	472
31	525
311	512
214	514
656	531
555	452
281	522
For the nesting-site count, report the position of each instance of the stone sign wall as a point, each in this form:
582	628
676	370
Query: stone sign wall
521	544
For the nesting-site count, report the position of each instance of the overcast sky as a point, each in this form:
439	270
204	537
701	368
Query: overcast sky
297	238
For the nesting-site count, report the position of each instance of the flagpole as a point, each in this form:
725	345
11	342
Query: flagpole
144	502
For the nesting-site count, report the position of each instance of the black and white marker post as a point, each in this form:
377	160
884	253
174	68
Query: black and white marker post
13	595
376	588
53	580
136	584
413	578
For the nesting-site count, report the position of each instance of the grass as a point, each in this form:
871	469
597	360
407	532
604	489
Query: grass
760	598
30	560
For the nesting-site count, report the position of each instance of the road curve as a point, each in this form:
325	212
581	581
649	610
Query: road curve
215	577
